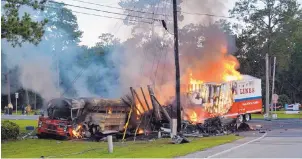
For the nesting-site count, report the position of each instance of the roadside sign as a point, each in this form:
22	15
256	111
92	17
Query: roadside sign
17	95
275	98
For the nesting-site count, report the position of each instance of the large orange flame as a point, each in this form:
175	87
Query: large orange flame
77	132
218	70
140	131
193	117
109	111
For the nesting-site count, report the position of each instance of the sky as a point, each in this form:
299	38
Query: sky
94	26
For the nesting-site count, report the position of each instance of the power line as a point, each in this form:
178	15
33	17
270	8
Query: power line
104	16
204	14
127	9
132	10
104	11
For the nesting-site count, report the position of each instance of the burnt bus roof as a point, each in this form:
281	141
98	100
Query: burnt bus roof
90	103
59	103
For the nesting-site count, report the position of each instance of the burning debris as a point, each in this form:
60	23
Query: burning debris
77	132
207	109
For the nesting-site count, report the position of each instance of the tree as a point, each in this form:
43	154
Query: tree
62	27
262	25
16	29
270	26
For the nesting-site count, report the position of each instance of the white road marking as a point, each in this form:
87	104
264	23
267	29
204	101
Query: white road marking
233	148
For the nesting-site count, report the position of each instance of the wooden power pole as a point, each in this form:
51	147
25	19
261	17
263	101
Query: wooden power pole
177	72
267	85
8	89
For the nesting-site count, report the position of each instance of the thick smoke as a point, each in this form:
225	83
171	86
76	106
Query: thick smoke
204	49
50	68
210	7
147	58
35	69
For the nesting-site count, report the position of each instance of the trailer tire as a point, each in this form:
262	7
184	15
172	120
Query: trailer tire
240	118
247	117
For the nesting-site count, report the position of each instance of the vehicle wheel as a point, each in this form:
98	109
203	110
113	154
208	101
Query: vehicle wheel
240	118
40	136
247	117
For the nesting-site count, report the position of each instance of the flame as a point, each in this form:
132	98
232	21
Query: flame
194	83
231	74
138	114
193	117
140	108
140	131
110	111
77	132
219	67
139	111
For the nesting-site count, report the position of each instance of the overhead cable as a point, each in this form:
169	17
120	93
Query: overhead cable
104	16
132	10
127	9
104	11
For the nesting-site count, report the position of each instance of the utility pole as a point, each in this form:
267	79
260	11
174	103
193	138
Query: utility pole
35	101
27	97
58	71
273	84
16	96
177	72
8	88
267	86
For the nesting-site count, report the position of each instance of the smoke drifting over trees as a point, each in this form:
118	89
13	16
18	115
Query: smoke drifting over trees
111	67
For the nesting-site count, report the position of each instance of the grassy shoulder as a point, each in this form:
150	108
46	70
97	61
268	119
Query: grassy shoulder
19	112
34	148
280	115
23	123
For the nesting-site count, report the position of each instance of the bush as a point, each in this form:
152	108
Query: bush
283	99
9	130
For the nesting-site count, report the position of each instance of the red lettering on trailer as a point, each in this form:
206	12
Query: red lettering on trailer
247	90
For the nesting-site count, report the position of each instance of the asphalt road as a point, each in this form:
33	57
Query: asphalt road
282	139
19	117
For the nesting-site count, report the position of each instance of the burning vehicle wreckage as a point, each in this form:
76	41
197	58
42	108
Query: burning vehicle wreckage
207	109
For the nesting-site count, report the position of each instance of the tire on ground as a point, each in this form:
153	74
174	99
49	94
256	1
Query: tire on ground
247	117
241	118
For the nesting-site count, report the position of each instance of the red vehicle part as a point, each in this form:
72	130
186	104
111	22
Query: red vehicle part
60	128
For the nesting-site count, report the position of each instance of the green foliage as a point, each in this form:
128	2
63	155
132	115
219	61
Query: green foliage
273	27
63	25
16	29
9	130
283	99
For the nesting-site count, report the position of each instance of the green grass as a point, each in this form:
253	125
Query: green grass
19	112
34	148
280	115
23	123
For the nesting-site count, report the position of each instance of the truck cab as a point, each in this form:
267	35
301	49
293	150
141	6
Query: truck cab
56	121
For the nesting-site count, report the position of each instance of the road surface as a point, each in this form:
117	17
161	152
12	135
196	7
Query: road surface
19	117
282	139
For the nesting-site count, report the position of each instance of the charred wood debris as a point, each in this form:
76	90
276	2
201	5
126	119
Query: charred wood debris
155	122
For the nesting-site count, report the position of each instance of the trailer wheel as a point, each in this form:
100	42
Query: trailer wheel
240	118
247	117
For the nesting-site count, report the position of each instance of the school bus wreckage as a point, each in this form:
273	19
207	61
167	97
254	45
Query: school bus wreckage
207	109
